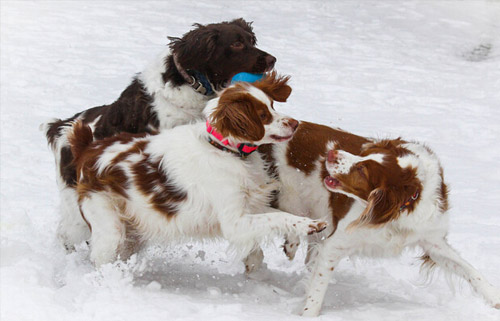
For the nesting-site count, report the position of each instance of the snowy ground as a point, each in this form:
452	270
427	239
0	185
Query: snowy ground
422	70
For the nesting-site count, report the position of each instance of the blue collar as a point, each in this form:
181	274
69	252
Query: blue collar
201	83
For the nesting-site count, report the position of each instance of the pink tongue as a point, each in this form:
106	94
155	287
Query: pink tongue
332	182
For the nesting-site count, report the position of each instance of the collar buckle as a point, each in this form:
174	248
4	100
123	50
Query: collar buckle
198	87
197	81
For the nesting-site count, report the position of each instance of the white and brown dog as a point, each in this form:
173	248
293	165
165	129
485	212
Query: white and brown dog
380	196
193	181
171	91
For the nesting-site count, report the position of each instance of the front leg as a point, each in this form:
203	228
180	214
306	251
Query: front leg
328	256
447	258
248	229
254	260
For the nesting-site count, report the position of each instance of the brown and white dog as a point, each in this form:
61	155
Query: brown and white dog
171	91
194	181
381	196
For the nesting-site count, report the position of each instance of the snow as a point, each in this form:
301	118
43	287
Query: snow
426	71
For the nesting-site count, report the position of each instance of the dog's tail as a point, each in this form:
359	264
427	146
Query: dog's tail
51	130
80	139
54	129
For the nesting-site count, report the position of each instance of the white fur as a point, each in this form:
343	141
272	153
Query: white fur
346	160
259	95
226	197
425	227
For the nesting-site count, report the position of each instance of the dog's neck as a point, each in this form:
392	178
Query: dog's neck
217	140
198	81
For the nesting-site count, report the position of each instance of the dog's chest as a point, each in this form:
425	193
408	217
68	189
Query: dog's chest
178	106
392	238
257	188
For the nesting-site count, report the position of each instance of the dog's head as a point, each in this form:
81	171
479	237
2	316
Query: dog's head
376	177
221	50
244	112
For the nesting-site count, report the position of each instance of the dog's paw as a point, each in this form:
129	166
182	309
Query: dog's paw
290	248
253	261
495	301
306	226
490	293
316	226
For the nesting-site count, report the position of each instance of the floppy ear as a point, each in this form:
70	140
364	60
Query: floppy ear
237	118
275	86
383	206
196	46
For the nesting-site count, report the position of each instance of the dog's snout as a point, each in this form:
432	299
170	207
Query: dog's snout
270	61
332	156
293	123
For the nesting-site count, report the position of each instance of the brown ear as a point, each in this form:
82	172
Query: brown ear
275	86
235	116
383	206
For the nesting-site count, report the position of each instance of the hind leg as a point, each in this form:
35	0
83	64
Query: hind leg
108	231
72	229
441	253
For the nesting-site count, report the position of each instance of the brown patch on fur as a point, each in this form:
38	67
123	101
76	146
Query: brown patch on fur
275	86
391	146
67	167
443	193
86	154
386	187
148	175
308	145
80	140
427	262
154	183
340	205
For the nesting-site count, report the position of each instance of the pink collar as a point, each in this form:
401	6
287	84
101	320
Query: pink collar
243	149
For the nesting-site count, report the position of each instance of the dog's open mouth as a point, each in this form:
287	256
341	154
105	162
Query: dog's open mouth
281	138
331	182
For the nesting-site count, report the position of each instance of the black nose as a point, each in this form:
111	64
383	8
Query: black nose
270	61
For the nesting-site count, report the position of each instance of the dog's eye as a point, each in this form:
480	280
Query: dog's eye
361	170
263	116
237	45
